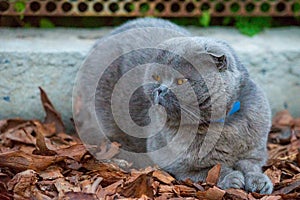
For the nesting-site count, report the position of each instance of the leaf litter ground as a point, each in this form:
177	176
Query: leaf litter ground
38	160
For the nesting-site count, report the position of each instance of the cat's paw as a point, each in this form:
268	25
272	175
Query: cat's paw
258	182
234	179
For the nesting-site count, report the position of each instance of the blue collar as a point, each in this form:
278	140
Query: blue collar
236	107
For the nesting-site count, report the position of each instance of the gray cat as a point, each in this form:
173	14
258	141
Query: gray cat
231	113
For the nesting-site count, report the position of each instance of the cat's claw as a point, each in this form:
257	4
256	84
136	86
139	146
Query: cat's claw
258	182
234	179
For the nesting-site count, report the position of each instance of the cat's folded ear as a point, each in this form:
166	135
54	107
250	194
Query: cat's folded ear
220	61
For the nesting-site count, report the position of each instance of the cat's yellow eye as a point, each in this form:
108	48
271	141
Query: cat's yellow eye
181	81
156	77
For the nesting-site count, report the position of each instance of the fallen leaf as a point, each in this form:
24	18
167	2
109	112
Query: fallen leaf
274	174
213	175
271	198
184	191
295	184
103	193
42	148
75	152
79	196
211	194
296	123
63	186
51	173
137	186
108	171
163	177
7	124
283	118
22	183
291	196
52	116
237	194
22	133
20	161
107	151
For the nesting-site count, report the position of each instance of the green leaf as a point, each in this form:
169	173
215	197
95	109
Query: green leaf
144	8
131	7
46	23
226	21
27	25
20	6
252	25
296	7
204	20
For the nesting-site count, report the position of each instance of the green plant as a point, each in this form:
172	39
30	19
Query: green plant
20	7
227	20
144	8
296	7
205	18
252	25
46	23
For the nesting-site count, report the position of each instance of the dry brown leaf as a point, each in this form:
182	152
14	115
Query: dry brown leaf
80	176
63	186
146	170
47	187
39	195
274	174
79	196
184	191
291	196
23	183
285	190
283	118
271	198
103	193
211	194
155	186
51	173
52	116
108	171
20	161
236	194
7	124
6	196
49	129
213	175
75	152
296	124
108	151
137	186
165	189
22	133
163	176
86	186
4	179
42	148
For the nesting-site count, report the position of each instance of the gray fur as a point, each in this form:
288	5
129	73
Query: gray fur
241	148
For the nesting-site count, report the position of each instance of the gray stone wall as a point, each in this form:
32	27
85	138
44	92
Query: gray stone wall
30	58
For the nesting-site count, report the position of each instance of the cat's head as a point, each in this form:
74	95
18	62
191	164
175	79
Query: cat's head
191	73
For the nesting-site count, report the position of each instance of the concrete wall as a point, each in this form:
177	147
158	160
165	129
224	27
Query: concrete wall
50	58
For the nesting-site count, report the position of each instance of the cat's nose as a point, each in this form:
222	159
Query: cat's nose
160	91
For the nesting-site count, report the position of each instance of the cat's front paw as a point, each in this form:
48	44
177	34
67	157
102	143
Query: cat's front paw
258	182
234	179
